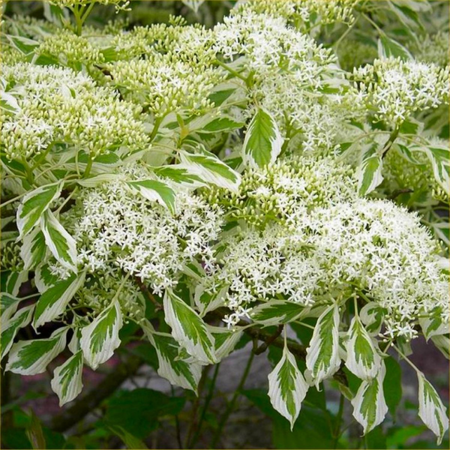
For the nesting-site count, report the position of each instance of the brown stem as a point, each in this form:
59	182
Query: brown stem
146	291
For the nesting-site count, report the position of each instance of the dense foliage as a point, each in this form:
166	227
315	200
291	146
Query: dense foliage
287	167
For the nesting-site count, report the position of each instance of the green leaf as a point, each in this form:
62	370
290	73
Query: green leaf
322	355
369	405
138	411
9	103
210	169
66	382
128	439
276	312
220	97
369	170
34	204
389	48
221	125
33	250
35	433
363	358
61	244
155	191
431	409
24	45
32	357
392	385
54	301
101	337
263	140
10	328
188	328
287	387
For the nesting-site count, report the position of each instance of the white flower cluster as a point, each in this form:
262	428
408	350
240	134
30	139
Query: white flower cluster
275	192
292	76
394	89
116	227
165	86
59	106
302	13
269	43
340	247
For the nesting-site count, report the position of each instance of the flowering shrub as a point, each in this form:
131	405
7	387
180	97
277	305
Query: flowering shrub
203	184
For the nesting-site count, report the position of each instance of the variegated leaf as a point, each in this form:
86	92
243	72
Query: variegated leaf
44	278
225	340
32	357
287	387
363	358
210	169
54	301
442	343
206	302
276	312
67	379
14	281
179	175
369	170
34	249
8	305
263	140
101	337
322	355
433	326
369	405
59	241
440	162
188	328
155	191
173	369
372	317
34	204
389	48
431	409
10	328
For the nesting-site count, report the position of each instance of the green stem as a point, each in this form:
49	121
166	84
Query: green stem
87	171
393	136
88	11
77	12
232	403
208	399
337	431
229	69
29	171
